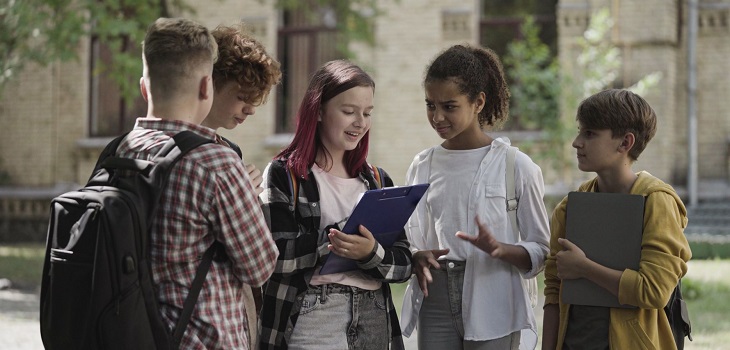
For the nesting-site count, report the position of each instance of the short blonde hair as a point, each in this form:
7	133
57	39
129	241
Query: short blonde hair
174	50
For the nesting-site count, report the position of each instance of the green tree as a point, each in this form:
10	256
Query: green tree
353	19
38	31
534	73
45	31
536	89
546	97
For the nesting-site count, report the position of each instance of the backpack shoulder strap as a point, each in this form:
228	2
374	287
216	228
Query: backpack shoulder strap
293	186
188	140
512	200
192	297
109	151
377	175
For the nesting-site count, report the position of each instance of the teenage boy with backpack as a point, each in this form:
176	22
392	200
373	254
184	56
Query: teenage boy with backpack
614	127
208	196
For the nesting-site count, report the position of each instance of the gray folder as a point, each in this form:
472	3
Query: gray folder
608	227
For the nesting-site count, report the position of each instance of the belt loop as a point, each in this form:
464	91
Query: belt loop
323	294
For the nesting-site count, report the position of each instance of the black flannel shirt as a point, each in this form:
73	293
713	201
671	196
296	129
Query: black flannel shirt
296	237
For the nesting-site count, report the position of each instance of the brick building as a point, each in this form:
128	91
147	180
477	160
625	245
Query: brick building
50	115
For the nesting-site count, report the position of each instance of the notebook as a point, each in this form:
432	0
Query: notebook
608	227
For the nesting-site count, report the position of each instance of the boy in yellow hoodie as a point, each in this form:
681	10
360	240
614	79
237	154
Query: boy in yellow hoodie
614	127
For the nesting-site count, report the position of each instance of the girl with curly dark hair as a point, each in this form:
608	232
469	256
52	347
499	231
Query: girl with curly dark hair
469	263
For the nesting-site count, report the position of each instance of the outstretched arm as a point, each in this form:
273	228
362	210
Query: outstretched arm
510	253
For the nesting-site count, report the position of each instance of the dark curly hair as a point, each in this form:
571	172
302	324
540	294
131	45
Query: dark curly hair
474	70
243	59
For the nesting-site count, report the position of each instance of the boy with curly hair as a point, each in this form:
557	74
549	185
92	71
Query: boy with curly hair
243	76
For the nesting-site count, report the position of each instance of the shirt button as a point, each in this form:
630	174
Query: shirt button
288	329
451	265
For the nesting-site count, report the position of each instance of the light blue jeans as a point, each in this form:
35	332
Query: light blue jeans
440	324
340	317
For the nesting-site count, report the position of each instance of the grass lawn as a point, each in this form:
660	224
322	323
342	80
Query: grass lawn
22	264
706	289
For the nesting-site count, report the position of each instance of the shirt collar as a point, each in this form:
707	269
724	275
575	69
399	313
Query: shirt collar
174	125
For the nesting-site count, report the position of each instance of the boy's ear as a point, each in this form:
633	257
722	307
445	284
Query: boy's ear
627	143
204	90
143	89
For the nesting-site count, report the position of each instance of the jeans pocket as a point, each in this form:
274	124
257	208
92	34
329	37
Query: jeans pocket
309	304
378	298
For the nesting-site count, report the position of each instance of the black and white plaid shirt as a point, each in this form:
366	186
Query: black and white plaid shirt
299	254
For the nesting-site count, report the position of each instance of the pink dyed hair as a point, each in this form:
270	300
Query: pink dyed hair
330	80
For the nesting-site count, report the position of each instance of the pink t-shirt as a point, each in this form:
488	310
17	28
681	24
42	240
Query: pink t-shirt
337	199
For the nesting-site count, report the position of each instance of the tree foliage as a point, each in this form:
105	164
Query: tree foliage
547	96
353	19
38	31
44	31
536	90
536	80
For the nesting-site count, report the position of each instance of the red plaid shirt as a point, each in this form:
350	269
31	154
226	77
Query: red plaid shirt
208	197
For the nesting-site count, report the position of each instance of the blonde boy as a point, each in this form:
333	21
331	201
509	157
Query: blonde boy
208	196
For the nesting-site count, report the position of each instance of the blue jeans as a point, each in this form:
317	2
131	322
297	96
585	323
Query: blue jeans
341	317
440	323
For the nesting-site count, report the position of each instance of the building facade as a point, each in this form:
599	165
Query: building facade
47	145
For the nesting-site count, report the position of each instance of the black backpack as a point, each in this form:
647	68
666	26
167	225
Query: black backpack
678	316
97	290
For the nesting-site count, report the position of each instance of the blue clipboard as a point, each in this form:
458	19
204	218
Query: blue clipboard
385	213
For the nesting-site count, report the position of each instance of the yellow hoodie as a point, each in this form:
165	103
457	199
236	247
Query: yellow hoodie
664	256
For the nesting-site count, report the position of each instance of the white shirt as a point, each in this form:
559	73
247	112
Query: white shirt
495	303
452	181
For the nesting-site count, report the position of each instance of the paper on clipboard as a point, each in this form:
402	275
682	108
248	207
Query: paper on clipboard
385	213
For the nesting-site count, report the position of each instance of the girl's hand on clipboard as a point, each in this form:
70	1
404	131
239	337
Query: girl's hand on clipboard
356	247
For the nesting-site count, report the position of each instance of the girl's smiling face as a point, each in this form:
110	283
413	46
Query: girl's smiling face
345	119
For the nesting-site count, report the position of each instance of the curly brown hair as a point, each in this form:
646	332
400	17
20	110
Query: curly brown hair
474	70
244	60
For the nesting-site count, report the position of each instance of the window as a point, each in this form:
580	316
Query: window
501	23
109	115
306	40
